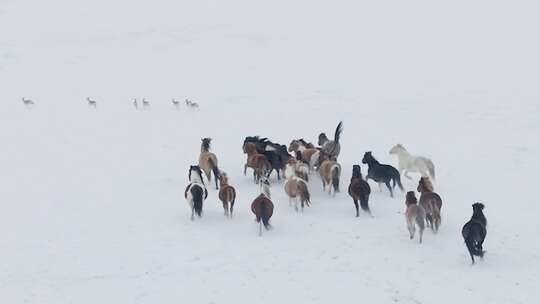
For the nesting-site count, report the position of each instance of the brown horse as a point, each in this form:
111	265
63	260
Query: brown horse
414	214
431	202
208	161
262	206
227	194
330	172
296	188
359	190
258	162
309	153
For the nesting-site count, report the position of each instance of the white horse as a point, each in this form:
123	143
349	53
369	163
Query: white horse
411	163
196	192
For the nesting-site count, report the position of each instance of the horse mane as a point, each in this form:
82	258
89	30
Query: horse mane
356	172
198	170
205	146
410	198
424	185
370	158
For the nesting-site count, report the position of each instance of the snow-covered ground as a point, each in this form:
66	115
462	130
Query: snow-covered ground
92	200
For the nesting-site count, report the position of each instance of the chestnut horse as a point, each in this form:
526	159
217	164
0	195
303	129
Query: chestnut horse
227	194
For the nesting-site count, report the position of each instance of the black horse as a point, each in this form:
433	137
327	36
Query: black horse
382	173
276	154
474	231
359	190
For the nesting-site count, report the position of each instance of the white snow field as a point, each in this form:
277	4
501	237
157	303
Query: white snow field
92	207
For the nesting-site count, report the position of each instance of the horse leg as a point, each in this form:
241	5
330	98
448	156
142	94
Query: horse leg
216	180
356	206
421	233
225	209
231	209
389	188
260	227
192	213
245	169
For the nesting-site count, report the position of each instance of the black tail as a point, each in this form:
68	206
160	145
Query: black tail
339	129
364	199
397	179
336	172
265	216
215	169
197	194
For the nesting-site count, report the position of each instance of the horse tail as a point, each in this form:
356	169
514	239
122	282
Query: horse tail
304	192
420	221
397	179
197	196
431	168
213	167
337	134
265	215
336	172
364	200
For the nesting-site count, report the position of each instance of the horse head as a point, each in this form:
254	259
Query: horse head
356	171
197	173
293	146
397	149
205	145
478	207
410	198
368	158
323	139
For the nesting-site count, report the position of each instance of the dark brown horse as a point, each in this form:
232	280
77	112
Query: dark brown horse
227	194
431	202
262	206
359	190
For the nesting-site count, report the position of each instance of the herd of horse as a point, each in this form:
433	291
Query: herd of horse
301	159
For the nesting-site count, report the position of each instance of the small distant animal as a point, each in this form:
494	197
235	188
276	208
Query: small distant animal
310	154
91	103
262	206
296	188
145	103
208	161
135	104
411	163
27	102
414	215
331	147
382	173
258	162
359	190
431	202
196	192
474	232
227	194
330	172
191	104
176	103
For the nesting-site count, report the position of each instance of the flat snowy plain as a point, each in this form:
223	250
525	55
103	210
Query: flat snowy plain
92	200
